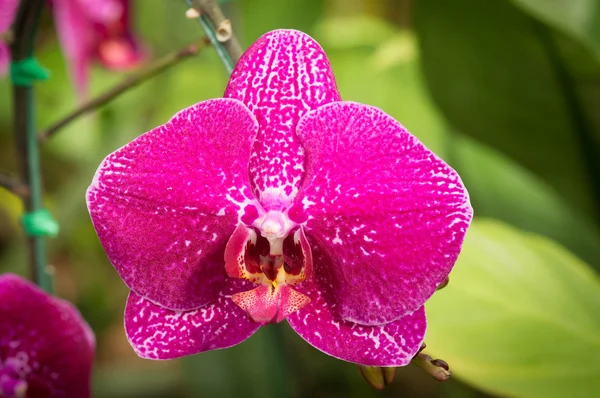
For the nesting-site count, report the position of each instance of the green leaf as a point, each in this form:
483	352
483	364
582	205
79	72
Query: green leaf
580	18
519	317
500	188
507	80
349	31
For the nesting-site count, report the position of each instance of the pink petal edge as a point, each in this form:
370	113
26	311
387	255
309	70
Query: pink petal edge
158	333
393	344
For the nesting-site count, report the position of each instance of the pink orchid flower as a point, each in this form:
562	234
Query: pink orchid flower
46	347
279	201
88	30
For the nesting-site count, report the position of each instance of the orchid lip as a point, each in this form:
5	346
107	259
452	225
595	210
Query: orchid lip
274	256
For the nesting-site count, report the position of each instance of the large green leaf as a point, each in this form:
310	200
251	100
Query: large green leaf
519	317
506	79
503	189
580	18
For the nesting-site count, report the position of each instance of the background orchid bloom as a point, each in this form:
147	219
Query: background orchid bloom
276	202
88	30
95	30
46	347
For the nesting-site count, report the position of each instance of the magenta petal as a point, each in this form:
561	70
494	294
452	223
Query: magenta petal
392	344
389	213
165	204
158	333
45	340
283	75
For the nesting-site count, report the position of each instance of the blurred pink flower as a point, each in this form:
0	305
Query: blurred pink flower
46	348
279	201
88	30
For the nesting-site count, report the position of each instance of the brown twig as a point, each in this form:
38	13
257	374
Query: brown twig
14	185
222	27
131	81
218	29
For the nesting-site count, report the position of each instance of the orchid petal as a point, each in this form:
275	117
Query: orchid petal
390	214
158	333
165	204
45	340
392	344
283	75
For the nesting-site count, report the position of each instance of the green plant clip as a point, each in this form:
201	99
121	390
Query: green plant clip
25	71
39	223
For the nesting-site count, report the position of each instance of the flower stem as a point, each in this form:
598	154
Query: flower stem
25	29
130	82
218	29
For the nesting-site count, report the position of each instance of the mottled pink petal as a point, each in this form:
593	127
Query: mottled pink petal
158	333
77	37
165	204
44	340
393	344
390	214
283	75
8	9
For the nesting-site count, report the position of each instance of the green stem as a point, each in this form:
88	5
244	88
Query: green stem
128	83
25	29
227	51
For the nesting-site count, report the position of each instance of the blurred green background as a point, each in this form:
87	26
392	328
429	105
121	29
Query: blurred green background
506	91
